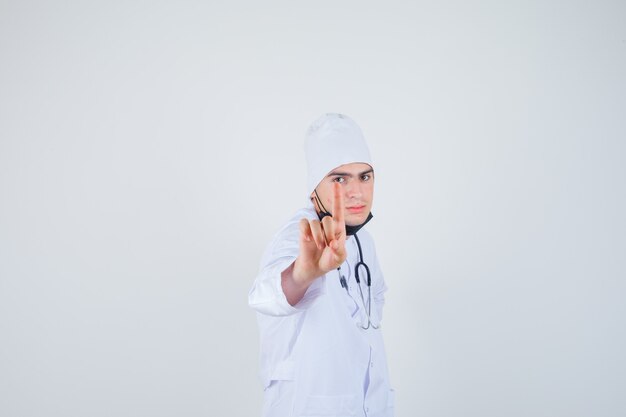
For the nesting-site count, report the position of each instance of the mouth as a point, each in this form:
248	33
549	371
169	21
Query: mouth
355	209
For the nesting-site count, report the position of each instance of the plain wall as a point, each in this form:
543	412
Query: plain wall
149	151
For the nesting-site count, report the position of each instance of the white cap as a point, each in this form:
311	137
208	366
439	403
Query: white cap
331	141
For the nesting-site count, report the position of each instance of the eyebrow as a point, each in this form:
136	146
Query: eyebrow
346	174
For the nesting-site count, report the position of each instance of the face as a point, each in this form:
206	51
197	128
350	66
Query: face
357	182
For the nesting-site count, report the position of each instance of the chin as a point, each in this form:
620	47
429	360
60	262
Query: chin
355	221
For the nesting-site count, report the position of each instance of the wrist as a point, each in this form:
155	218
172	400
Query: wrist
303	275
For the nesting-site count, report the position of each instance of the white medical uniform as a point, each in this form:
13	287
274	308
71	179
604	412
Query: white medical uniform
316	360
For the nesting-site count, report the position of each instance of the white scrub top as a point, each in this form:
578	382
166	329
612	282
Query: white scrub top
316	360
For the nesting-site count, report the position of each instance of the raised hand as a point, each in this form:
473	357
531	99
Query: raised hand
322	249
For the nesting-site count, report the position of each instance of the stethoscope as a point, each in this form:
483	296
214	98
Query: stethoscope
368	281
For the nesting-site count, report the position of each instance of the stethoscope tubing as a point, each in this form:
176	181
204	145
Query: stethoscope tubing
368	281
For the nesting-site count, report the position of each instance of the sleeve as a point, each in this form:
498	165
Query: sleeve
266	295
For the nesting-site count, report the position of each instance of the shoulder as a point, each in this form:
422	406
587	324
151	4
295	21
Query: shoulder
285	242
293	223
367	243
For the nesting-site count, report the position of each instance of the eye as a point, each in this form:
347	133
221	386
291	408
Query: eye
366	177
340	180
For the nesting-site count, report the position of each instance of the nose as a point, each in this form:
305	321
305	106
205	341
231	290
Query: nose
354	190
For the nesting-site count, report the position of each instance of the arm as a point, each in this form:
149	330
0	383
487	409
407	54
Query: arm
267	295
299	255
294	291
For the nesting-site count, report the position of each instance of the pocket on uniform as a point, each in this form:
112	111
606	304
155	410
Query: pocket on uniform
284	371
327	405
278	398
279	387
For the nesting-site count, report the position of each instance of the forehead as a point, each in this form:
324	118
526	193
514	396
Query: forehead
354	168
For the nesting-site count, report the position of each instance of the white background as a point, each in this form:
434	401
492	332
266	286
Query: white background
149	151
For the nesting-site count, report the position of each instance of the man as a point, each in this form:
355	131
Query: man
319	292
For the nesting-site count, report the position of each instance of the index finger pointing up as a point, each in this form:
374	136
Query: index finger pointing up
338	205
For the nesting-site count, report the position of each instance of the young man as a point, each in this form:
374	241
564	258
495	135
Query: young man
319	292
